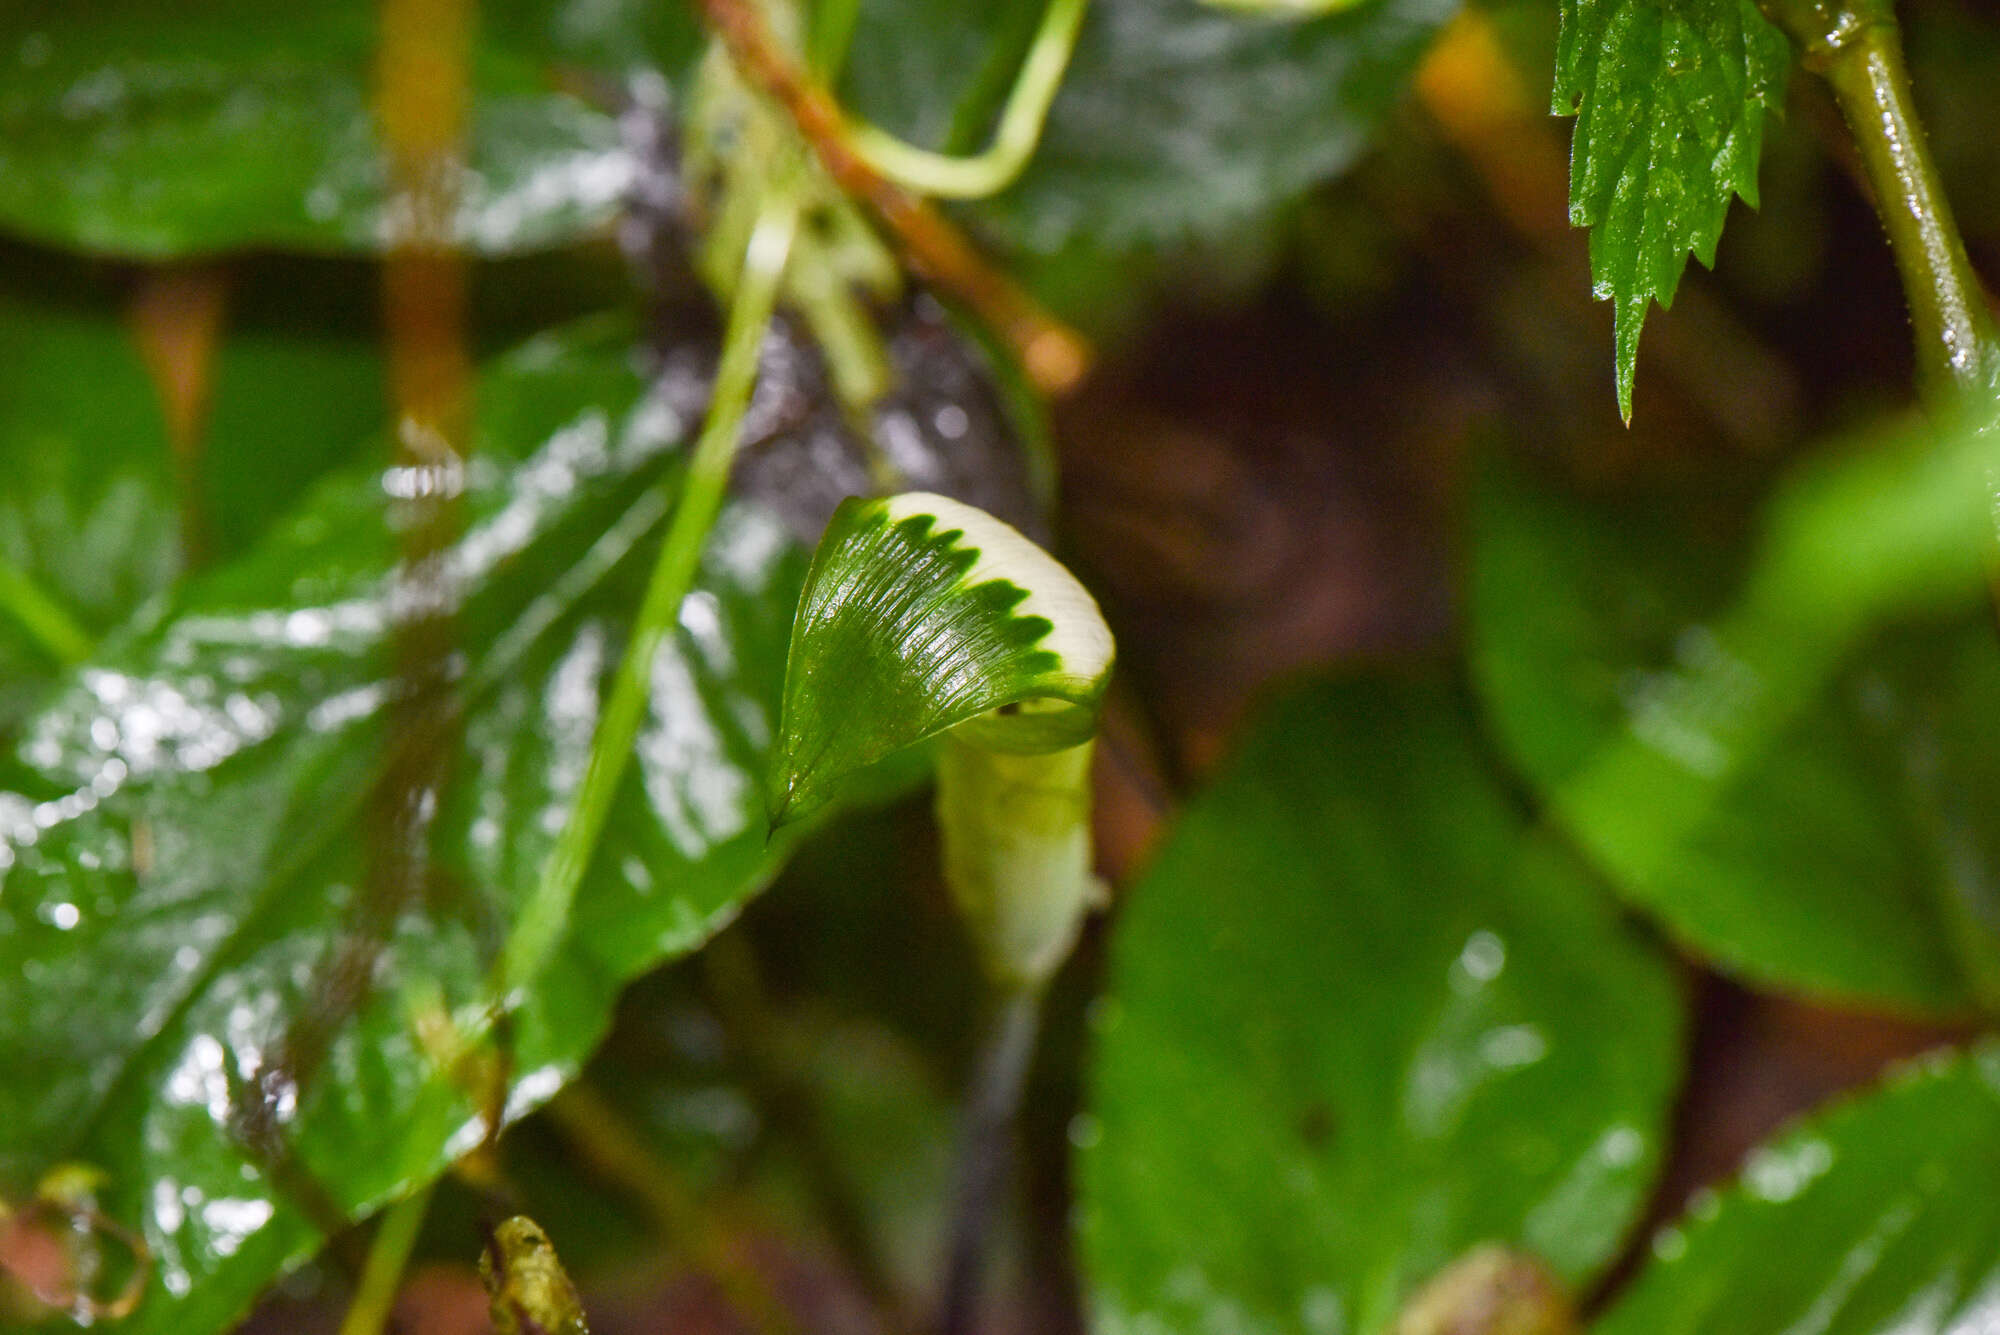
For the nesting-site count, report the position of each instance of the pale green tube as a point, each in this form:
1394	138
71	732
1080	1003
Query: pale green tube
1017	854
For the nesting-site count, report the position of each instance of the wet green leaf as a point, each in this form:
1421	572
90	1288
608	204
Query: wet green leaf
1360	1020
139	129
1875	1218
290	404
1797	798
1178	119
87	515
920	614
92	518
1670	97
187	829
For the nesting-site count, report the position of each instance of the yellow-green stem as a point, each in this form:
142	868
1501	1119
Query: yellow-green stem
46	622
544	918
1027	110
1858	49
388	1256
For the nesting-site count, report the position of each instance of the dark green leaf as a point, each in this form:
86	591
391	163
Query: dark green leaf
188	835
1798	802
1877	1218
92	517
1181	120
935	74
1178	119
1361	1020
140	129
87	514
1669	97
289	404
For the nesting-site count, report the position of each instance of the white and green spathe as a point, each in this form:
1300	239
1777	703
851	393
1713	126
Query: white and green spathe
924	617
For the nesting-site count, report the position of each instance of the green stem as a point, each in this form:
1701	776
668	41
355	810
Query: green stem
1858	49
52	629
1021	120
1015	831
388	1256
544	917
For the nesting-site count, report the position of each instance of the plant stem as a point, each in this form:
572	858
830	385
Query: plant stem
388	1256
1053	355
54	631
992	170
985	1152
1858	49
544	917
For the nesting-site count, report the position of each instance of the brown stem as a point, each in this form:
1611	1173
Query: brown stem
1053	355
176	319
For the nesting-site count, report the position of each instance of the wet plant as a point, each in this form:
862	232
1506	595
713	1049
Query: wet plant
557	575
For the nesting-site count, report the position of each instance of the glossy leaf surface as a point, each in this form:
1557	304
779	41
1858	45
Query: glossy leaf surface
87	515
1669	98
93	517
1177	118
1876	1218
1360	1020
148	130
1802	801
237	124
919	614
187	830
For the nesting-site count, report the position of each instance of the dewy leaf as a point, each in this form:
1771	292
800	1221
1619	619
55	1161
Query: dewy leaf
146	130
184	831
1876	1218
1361	1020
919	614
1177	119
1670	97
90	515
1795	789
87	514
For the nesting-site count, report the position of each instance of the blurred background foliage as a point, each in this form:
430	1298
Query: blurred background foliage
1417	943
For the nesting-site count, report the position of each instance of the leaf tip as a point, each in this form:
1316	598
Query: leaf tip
1630	317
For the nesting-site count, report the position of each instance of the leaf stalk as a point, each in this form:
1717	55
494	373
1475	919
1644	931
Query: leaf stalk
544	917
1000	163
55	632
388	1257
1857	48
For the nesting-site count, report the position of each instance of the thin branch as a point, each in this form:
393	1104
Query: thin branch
388	1257
1053	355
986	1154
